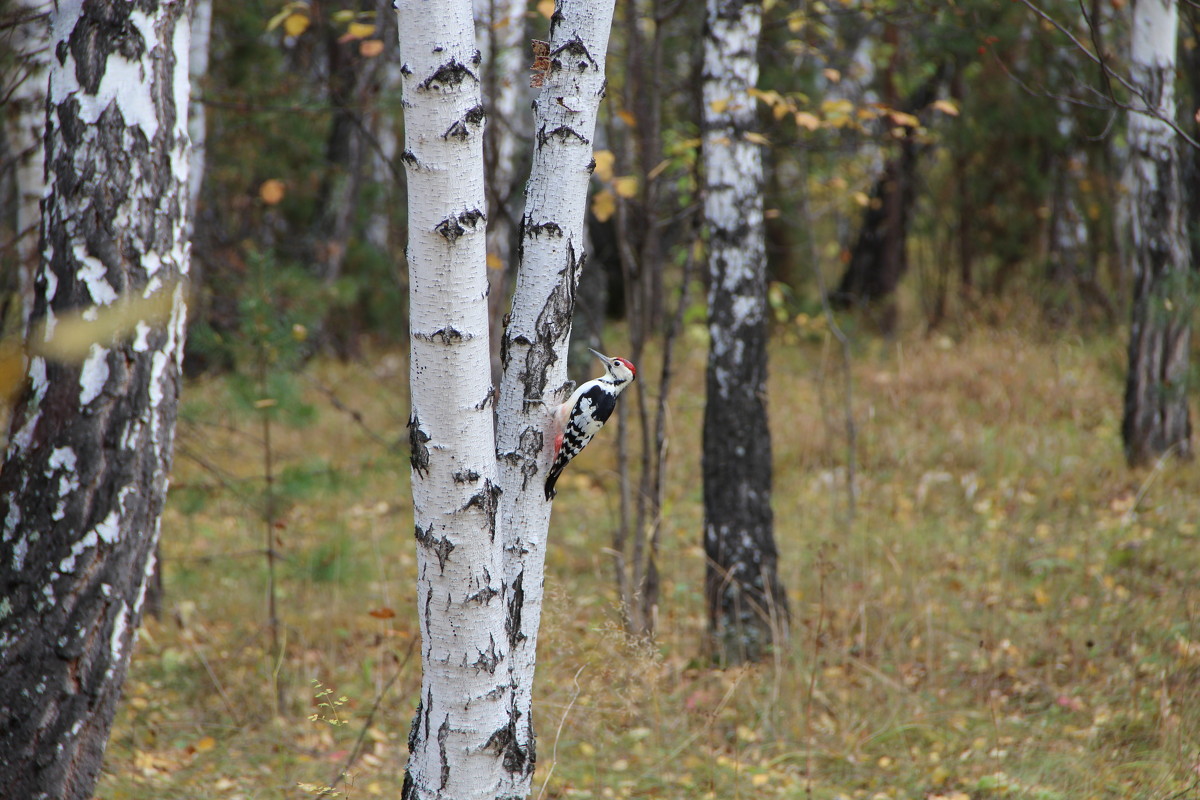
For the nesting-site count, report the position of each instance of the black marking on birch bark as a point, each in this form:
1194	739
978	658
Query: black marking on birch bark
549	228
447	335
516	602
409	790
442	734
489	660
447	76
438	49
428	621
456	225
490	397
414	734
529	450
564	132
405	70
591	167
574	48
465	476
105	28
553	326
484	595
603	91
441	547
487	500
418	450
409	159
503	742
476	115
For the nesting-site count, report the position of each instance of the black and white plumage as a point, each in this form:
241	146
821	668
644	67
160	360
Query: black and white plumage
584	414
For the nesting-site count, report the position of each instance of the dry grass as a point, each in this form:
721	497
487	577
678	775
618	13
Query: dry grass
1010	613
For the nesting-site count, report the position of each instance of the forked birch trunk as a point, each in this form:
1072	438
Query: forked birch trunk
534	347
747	607
460	737
26	124
1156	418
85	473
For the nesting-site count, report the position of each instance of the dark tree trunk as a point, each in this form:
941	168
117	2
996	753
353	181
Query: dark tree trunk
747	607
879	257
85	473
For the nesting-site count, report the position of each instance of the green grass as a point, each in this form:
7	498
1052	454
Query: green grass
1010	612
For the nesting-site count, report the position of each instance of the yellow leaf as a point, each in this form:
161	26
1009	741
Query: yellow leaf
494	261
719	106
626	186
831	75
271	191
627	117
370	48
756	138
761	779
604	205
205	744
904	118
604	164
546	8
946	107
807	121
1040	597
296	24
360	30
75	332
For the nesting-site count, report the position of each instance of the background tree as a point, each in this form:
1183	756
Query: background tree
24	92
747	607
1156	417
85	473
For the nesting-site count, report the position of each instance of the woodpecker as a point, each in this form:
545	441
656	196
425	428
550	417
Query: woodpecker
584	414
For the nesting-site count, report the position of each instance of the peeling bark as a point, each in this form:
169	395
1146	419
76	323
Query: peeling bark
551	257
85	473
747	607
1156	418
456	494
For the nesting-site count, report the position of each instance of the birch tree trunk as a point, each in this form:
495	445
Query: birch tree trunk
500	25
534	347
85	473
747	607
461	735
201	20
26	119
1156	411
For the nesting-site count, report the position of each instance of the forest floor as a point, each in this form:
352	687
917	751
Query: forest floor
1010	612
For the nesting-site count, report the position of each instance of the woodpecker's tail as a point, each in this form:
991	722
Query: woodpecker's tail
551	479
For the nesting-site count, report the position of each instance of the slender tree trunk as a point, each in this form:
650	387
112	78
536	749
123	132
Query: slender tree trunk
1156	410
747	607
201	15
500	25
461	738
351	85
534	350
26	124
85	474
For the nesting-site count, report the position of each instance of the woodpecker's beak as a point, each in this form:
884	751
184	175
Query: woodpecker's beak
607	361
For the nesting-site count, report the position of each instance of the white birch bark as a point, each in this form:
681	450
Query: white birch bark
457	742
27	124
1156	417
534	348
746	604
85	474
201	16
